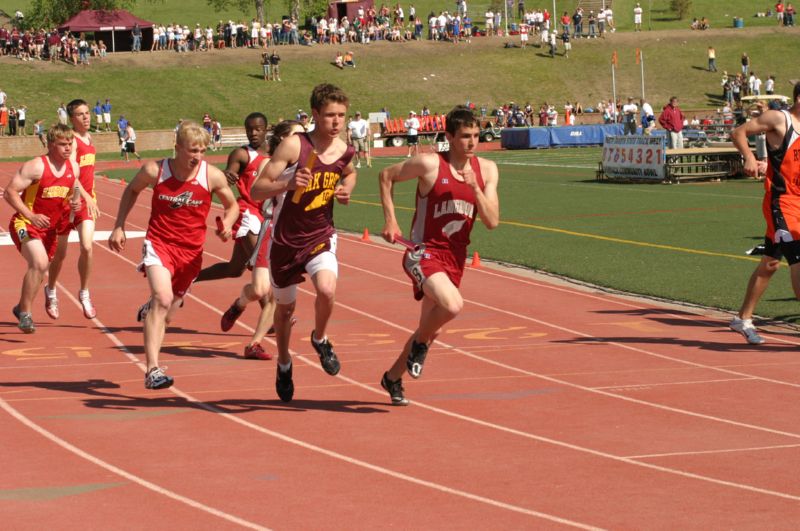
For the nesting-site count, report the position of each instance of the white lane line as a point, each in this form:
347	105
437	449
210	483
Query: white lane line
721	451
529	435
662	384
325	451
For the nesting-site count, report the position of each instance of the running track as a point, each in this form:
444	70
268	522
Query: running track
543	406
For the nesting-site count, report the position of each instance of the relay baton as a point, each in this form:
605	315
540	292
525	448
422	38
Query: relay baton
309	163
408	244
220	226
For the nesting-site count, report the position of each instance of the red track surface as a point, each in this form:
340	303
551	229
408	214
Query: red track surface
543	406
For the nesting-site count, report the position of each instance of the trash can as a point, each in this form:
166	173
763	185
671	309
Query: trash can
738	22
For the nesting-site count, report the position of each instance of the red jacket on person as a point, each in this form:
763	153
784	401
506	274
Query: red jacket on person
671	119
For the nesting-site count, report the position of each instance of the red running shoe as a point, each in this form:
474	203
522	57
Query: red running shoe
256	352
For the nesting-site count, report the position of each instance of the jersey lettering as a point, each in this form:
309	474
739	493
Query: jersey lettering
181	200
55	191
457	206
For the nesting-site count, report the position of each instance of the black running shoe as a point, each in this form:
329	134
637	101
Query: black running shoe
15	311
284	384
230	316
141	313
416	358
395	389
327	357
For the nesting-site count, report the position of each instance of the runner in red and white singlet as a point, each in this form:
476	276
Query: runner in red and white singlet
780	207
242	169
451	190
84	154
40	193
303	235
172	253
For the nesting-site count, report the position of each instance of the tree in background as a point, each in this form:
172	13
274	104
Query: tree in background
681	7
242	5
48	13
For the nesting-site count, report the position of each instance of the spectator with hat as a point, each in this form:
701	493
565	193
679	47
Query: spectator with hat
357	131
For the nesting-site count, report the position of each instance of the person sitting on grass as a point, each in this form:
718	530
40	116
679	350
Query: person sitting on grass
348	59
339	61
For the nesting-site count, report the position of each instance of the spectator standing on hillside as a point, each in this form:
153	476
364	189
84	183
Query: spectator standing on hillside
412	135
577	21
265	65
38	130
275	65
712	59
3	97
137	38
107	114
745	64
769	86
637	17
122	126
779	12
22	114
648	117
98	115
130	143
671	119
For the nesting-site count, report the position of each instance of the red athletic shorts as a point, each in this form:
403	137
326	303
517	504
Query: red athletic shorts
262	252
184	265
433	261
23	232
65	225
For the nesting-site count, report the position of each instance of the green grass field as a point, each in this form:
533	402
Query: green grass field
681	242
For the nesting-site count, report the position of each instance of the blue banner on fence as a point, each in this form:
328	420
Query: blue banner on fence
525	138
545	137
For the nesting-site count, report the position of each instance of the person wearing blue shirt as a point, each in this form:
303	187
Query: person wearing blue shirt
98	115
122	127
107	114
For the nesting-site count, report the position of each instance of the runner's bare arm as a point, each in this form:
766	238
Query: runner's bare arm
29	173
266	184
237	161
147	176
219	186
772	123
422	167
345	187
486	199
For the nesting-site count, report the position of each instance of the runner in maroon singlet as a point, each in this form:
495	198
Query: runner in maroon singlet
303	235
452	188
172	253
40	193
83	222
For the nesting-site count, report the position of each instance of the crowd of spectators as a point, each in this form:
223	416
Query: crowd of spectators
50	45
13	118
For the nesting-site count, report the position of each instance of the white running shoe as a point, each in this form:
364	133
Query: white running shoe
86	303
50	303
747	329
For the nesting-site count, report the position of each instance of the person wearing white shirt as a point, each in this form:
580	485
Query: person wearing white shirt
637	17
648	117
769	86
412	133
629	111
357	131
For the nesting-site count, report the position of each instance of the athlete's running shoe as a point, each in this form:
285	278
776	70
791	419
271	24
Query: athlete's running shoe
284	384
86	303
256	352
327	357
395	389
50	303
416	358
230	316
25	320
141	313
156	379
747	329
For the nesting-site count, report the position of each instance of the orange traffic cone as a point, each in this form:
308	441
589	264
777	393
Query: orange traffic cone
365	236
122	181
476	260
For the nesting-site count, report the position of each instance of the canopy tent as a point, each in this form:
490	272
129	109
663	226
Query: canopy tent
105	24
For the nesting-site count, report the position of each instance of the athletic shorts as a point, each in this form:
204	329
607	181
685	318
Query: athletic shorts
412	140
107	117
360	144
64	225
782	215
23	232
183	264
130	147
99	118
287	264
432	261
260	256
246	223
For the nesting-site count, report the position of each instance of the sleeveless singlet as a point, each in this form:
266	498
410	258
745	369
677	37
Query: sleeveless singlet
86	153
310	220
783	170
49	195
246	178
179	208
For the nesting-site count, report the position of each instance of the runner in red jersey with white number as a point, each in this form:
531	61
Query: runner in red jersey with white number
303	235
40	193
242	170
84	154
172	253
452	188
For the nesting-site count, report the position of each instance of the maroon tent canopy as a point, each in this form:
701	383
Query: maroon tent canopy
106	22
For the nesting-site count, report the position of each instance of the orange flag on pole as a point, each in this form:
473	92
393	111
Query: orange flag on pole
638	55
614	59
